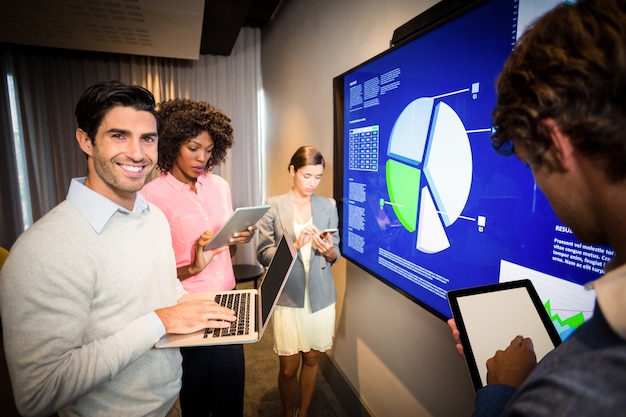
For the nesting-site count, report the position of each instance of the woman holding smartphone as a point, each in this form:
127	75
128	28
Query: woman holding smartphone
304	318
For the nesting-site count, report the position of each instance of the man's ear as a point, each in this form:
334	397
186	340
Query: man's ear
562	152
84	142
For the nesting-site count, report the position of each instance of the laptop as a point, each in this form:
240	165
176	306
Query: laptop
490	316
253	307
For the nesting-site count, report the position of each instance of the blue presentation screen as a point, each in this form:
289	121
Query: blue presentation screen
427	205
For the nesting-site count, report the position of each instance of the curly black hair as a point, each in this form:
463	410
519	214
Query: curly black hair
185	119
570	66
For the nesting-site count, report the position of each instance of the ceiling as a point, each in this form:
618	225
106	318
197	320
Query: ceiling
182	29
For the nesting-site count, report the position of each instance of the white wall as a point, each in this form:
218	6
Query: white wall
399	357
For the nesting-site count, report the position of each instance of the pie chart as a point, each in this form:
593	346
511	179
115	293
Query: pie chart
428	171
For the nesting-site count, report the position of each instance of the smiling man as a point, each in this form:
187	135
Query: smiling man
88	290
125	155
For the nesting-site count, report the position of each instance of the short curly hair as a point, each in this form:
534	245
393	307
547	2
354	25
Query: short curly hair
570	66
185	119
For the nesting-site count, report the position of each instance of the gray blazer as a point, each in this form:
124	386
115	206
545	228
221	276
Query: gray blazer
280	217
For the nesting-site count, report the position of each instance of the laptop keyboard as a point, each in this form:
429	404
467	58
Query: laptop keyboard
240	304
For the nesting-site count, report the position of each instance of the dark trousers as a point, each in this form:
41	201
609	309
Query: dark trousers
213	381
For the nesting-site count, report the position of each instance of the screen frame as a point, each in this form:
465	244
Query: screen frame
425	22
539	246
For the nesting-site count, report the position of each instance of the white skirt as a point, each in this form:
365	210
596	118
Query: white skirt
300	330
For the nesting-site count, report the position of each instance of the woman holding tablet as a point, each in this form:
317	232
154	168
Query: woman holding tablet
304	318
194	139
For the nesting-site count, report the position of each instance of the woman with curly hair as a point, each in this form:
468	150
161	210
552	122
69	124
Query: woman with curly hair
195	138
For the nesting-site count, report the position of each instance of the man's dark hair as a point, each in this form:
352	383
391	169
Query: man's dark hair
98	99
570	66
185	119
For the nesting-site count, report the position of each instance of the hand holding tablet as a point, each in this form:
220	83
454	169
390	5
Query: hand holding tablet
240	220
489	319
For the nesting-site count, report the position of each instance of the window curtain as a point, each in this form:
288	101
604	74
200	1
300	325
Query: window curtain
48	83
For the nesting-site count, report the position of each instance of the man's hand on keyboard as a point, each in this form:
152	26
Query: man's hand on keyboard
191	316
240	303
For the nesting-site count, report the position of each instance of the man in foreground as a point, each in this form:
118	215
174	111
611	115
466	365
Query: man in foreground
561	105
89	288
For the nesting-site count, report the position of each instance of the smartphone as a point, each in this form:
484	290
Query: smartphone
327	232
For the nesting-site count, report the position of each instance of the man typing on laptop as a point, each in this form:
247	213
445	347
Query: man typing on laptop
89	288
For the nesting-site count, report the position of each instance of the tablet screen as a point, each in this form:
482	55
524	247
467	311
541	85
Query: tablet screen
241	218
489	317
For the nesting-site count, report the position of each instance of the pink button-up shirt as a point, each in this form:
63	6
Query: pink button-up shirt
189	215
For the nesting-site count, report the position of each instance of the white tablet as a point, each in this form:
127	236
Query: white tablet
490	316
237	222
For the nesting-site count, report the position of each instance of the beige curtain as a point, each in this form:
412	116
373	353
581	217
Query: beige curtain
48	83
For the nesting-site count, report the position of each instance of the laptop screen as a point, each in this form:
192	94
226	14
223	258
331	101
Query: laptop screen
273	281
